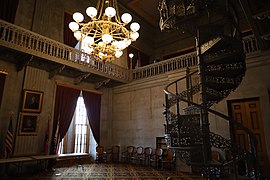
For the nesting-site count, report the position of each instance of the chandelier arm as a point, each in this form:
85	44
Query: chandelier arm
100	7
117	17
98	39
98	32
117	28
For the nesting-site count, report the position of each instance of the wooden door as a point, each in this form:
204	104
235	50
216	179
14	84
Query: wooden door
248	112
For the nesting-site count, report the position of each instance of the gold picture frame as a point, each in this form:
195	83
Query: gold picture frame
32	101
29	123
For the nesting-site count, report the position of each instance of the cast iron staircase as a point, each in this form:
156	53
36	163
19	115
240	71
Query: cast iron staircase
221	68
224	67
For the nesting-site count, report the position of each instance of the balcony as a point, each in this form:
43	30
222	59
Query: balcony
24	47
29	48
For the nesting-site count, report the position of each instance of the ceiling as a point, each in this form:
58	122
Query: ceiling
144	9
250	13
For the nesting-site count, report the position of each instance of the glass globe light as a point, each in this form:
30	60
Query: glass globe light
118	54
78	17
115	44
88	50
100	54
127	41
91	12
78	35
107	38
110	12
131	55
101	43
121	45
134	35
73	26
135	27
126	18
89	40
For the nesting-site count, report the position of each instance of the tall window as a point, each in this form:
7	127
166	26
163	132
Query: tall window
79	136
81	128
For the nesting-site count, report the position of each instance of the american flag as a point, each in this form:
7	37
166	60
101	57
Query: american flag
9	139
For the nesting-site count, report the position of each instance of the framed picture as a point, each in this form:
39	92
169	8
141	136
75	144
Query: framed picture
32	101
29	124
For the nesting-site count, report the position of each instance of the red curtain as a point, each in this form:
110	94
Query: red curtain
2	83
69	39
8	10
65	104
92	103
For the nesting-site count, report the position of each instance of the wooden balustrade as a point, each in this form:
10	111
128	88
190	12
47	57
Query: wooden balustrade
187	60
14	37
20	39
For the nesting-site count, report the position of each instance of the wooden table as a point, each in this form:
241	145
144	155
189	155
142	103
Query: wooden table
40	159
18	161
43	158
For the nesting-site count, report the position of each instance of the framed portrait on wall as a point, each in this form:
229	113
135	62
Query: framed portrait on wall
32	101
29	123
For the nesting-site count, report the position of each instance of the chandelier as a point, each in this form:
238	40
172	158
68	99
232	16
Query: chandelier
105	35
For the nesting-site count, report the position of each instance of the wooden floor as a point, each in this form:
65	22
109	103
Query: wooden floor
106	171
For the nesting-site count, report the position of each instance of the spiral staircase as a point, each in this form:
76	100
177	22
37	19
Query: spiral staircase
221	68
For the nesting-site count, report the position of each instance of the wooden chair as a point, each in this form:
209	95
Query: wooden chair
147	154
101	155
156	157
138	156
169	159
128	154
114	154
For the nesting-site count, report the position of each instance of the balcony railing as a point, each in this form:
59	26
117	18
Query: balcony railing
12	36
179	62
183	61
20	39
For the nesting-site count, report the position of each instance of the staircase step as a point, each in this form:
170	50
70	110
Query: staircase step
224	57
220	87
222	83
224	73
226	69
224	44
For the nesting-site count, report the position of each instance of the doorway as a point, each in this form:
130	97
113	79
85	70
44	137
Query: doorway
248	112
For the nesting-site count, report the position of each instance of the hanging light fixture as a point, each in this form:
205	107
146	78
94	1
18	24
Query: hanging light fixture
105	35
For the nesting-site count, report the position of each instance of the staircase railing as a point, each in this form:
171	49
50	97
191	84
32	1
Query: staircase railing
173	97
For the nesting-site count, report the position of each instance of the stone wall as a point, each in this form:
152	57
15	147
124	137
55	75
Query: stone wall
137	116
31	78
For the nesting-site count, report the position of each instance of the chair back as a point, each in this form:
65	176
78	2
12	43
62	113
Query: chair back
99	149
115	149
139	150
148	151
159	152
130	149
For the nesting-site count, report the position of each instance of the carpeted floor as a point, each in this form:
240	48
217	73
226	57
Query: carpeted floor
108	172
